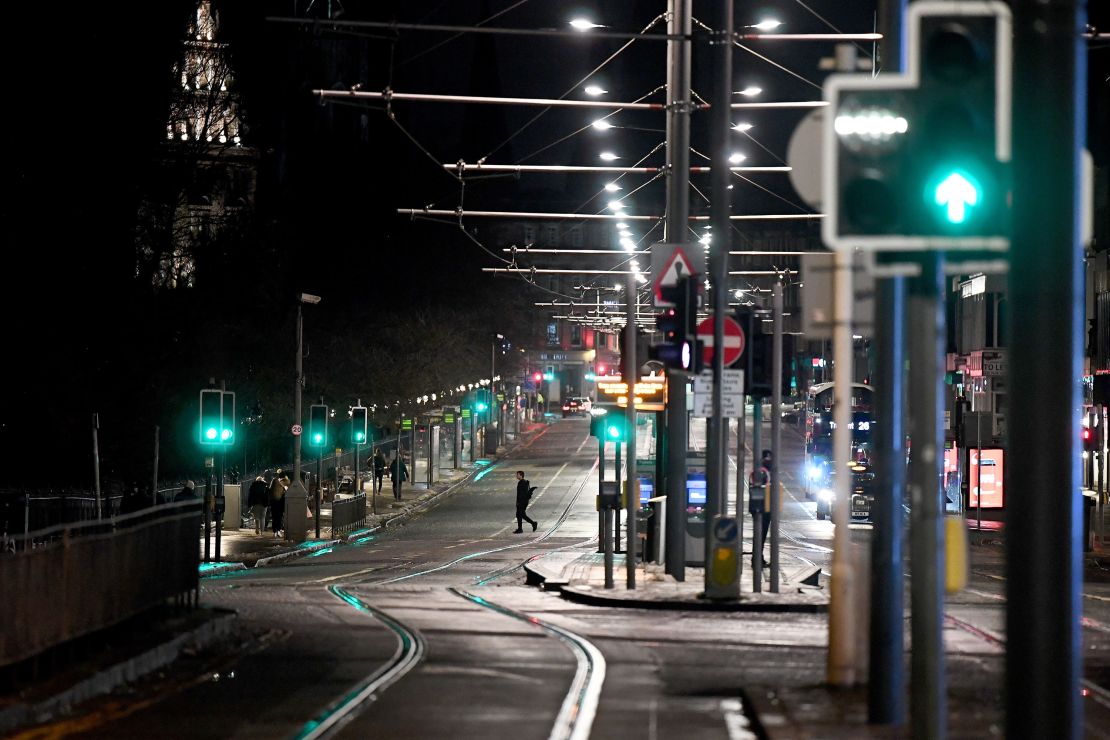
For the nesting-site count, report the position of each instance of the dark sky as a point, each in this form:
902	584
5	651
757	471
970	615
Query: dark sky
91	94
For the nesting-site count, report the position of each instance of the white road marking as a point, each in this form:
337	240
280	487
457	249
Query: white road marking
576	715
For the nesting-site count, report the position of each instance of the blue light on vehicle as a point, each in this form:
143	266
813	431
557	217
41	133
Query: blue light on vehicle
813	472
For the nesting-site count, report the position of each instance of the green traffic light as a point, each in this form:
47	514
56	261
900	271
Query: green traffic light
225	435
318	438
210	433
614	431
359	436
957	193
480	406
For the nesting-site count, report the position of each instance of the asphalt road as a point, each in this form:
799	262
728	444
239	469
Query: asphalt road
429	631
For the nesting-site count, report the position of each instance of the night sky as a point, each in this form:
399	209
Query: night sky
89	90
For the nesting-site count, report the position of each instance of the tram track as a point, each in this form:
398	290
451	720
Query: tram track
579	706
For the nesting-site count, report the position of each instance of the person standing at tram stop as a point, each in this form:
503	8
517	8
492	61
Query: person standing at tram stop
398	473
257	499
377	464
761	478
277	503
524	491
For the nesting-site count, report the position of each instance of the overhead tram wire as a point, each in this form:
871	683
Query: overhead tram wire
606	117
828	23
756	54
572	88
449	39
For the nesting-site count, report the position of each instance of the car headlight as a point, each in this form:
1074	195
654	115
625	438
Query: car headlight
813	472
826	495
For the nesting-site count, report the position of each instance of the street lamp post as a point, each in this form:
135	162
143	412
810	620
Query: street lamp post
296	523
493	391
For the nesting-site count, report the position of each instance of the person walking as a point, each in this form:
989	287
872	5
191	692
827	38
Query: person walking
277	503
257	498
377	464
524	490
398	473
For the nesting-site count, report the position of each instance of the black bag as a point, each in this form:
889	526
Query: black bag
530	492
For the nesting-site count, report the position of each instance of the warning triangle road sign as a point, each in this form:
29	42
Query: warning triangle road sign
676	267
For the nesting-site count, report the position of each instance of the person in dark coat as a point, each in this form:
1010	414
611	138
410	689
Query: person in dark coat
258	497
277	502
398	473
524	490
188	493
377	464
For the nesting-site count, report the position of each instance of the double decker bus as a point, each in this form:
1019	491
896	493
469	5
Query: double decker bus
819	428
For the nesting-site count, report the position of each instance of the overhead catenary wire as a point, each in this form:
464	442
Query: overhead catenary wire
756	54
448	40
573	87
392	95
545	215
350	26
592	169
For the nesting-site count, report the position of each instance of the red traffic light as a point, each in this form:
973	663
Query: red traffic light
537	377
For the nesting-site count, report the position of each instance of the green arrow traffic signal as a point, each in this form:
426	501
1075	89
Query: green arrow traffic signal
956	193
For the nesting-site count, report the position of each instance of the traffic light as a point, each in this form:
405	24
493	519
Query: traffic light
1090	439
614	428
318	425
217	418
609	427
920	160
359	425
678	325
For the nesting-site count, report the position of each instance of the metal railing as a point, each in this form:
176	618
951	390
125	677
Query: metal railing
72	579
348	513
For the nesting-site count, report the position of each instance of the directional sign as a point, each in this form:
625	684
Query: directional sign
733	339
669	262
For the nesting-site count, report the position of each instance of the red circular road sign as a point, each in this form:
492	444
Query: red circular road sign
733	340
296	430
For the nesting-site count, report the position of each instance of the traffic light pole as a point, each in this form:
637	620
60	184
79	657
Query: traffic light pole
720	206
675	228
319	479
925	312
1045	308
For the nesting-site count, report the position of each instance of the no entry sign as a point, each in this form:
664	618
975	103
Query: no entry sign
733	340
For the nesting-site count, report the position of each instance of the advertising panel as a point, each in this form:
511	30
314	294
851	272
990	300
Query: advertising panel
985	478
